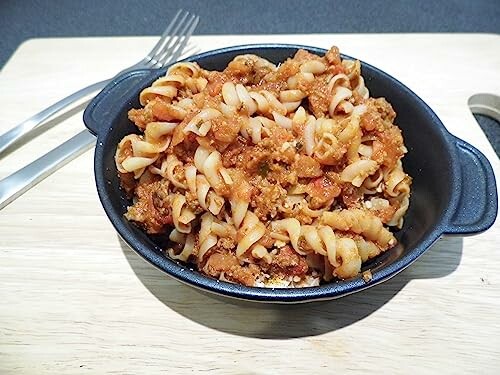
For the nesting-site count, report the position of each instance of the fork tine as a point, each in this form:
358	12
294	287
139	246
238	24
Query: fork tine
169	37
167	32
169	43
176	49
185	38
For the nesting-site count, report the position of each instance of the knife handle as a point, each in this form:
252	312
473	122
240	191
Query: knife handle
13	186
24	128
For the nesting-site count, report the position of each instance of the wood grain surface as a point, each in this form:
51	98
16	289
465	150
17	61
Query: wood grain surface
76	300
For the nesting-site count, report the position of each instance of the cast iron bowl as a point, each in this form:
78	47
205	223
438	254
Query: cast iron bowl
453	191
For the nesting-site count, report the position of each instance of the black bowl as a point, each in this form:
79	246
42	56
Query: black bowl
453	189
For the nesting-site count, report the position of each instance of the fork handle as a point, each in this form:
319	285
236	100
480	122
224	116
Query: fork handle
20	131
11	187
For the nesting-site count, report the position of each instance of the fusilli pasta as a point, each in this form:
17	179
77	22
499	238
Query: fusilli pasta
266	175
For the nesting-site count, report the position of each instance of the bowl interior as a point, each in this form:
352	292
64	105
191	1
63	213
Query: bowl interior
428	162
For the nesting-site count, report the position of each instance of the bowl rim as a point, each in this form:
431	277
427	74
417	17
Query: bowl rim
190	276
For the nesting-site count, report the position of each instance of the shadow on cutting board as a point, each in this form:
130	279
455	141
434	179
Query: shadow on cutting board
290	321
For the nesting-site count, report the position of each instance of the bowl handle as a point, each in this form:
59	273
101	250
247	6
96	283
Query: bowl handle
477	197
118	94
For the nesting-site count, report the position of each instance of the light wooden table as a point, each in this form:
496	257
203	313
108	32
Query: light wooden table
75	299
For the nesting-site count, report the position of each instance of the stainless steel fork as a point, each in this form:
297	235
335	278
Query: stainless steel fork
168	49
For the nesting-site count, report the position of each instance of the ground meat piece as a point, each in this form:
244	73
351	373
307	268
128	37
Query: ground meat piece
274	87
281	174
288	69
319	97
241	189
333	56
379	115
288	263
185	151
141	117
385	109
371	120
152	208
160	197
241	66
388	148
306	166
385	214
165	111
276	81
231	155
302	217
266	240
276	139
267	201
267	159
215	82
227	263
322	191
244	275
351	195
226	243
251	159
249	69
220	261
224	129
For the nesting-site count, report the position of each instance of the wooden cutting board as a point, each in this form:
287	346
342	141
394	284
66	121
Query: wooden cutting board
75	299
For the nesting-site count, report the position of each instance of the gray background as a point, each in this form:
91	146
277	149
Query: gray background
24	19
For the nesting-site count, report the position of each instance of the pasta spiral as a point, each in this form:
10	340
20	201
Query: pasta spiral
360	222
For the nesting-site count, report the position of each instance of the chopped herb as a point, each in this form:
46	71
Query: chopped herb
298	146
263	169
